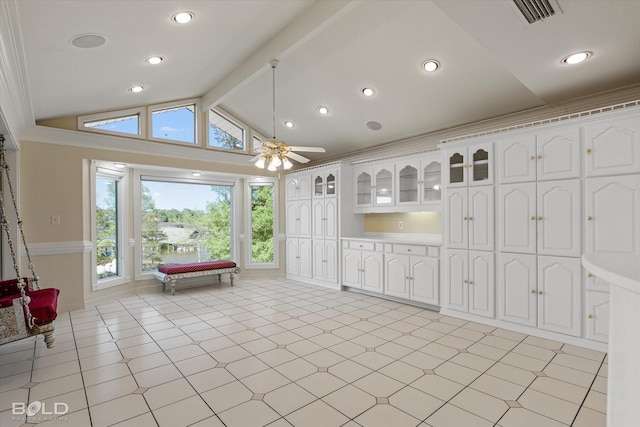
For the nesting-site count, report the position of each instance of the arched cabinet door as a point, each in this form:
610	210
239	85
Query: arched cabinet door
469	166
612	147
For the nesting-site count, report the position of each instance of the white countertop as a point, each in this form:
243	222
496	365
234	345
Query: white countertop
404	238
613	269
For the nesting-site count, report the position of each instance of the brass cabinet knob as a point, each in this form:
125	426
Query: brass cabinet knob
590	316
471	165
539	218
539	292
589	218
533	218
408	250
466	281
539	156
589	274
466	218
470	282
532	157
588	150
533	291
470	218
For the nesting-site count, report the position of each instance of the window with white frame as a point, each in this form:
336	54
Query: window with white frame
261	223
174	122
130	122
224	133
108	189
184	221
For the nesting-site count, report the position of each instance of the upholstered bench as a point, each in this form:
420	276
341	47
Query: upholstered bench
169	274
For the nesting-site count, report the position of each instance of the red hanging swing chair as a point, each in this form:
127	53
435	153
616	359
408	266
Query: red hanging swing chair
25	309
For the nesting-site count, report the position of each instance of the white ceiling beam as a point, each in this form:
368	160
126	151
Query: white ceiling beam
312	22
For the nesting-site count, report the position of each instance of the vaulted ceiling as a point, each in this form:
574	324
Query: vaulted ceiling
492	61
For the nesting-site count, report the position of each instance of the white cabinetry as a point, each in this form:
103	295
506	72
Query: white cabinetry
613	217
298	186
325	260
597	306
541	218
470	218
546	155
470	279
299	257
362	265
314	217
469	165
374	185
411	274
612	147
418	181
298	218
542	292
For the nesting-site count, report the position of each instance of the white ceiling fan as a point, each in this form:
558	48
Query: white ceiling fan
275	153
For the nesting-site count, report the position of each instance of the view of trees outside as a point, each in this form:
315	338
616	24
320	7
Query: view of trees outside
106	228
262	223
226	135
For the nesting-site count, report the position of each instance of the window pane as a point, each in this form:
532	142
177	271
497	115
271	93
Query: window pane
262	223
257	143
106	227
224	134
175	123
126	124
184	223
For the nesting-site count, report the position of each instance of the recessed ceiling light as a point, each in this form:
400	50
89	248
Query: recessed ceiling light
88	41
155	60
136	89
120	165
196	173
183	17
576	58
368	91
430	65
323	110
289	124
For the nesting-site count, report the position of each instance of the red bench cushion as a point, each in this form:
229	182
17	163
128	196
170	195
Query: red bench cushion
43	305
198	266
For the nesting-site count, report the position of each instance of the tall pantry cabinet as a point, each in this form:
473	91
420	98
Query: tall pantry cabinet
315	215
547	195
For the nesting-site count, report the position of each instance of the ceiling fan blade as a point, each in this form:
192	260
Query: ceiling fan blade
255	159
297	157
309	149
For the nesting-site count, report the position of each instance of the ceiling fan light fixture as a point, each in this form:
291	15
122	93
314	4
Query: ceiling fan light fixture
262	162
286	164
271	167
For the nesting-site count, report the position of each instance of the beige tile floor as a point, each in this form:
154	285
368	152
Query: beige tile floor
281	353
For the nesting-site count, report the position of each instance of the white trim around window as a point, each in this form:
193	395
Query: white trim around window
249	264
121	227
115	115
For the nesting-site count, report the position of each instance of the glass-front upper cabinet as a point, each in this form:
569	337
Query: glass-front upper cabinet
431	181
384	187
408	183
418	180
325	183
470	165
364	188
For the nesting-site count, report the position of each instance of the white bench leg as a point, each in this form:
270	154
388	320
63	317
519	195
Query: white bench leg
231	278
173	287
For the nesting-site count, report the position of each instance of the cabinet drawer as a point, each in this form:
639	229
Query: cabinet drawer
410	249
365	246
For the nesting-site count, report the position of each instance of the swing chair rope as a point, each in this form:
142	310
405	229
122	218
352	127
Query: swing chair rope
5	225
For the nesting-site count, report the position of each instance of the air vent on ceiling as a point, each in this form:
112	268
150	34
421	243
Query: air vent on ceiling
536	10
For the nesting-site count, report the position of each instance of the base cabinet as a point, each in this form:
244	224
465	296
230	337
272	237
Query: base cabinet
299	262
470	275
540	291
362	268
412	277
597	305
325	260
